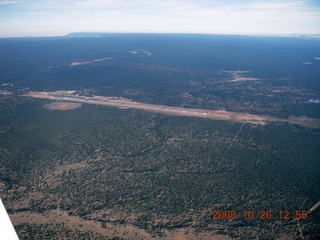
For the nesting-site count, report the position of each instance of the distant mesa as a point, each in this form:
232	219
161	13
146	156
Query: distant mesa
87	34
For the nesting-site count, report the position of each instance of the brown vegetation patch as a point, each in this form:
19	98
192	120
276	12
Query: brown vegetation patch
109	229
305	121
62	106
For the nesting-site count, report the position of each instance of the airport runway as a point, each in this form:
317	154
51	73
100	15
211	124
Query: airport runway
69	96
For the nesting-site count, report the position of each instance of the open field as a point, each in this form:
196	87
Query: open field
69	96
62	106
109	229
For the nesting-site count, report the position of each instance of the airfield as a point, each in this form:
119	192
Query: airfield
119	102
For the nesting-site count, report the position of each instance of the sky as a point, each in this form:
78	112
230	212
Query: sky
20	18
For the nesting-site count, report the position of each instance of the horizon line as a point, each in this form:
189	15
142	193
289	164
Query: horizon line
316	35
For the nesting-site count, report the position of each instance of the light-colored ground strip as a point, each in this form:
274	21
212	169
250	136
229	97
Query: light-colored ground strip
237	76
72	222
69	96
111	229
74	63
62	106
5	92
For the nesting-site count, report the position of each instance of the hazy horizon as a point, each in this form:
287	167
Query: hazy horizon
104	34
22	18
